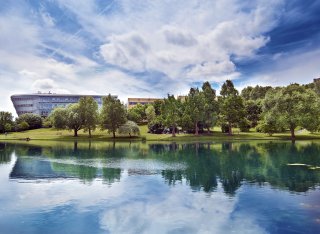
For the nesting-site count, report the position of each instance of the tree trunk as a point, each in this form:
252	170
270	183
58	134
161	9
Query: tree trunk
89	132
75	132
114	134
293	136
174	131
230	129
208	130
196	128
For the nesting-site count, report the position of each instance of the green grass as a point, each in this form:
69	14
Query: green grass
98	135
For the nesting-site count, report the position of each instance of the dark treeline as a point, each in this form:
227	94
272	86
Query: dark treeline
263	109
203	165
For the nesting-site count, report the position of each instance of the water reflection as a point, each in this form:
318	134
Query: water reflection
57	187
201	165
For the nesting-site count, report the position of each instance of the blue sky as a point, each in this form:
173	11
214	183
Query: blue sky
153	47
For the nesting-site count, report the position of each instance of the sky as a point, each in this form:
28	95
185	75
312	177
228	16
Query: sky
149	48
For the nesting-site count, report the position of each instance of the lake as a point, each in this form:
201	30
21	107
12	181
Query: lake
214	187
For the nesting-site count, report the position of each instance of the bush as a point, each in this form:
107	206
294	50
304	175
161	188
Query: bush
47	123
22	126
8	127
130	128
34	121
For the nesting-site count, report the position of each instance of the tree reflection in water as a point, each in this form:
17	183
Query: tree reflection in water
206	164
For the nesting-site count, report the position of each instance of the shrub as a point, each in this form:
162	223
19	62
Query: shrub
23	126
34	121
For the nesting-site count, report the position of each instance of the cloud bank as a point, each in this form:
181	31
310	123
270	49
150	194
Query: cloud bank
149	48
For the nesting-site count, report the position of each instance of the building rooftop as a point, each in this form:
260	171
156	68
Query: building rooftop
58	95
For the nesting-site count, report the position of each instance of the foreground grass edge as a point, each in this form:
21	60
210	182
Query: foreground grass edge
98	135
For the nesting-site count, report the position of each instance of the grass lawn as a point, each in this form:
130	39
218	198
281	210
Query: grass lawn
98	135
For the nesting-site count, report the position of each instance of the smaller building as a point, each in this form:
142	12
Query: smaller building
143	101
182	98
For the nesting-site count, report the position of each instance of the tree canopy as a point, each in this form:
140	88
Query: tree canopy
231	105
6	121
33	120
88	108
113	114
292	106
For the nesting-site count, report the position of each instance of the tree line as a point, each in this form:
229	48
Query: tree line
265	109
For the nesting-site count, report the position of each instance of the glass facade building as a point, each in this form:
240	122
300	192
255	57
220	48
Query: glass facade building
43	103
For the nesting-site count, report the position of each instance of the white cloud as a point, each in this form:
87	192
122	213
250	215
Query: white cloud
178	37
178	43
159	208
128	51
175	46
195	213
289	68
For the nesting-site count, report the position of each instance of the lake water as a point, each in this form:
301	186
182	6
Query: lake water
241	187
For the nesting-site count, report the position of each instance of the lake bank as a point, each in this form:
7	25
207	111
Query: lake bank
98	135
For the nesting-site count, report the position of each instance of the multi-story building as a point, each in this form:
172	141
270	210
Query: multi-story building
43	103
143	101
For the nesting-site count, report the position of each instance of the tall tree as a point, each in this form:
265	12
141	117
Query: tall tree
6	120
232	109
228	89
246	93
113	114
89	113
253	111
74	121
194	108
170	113
150	113
157	106
210	105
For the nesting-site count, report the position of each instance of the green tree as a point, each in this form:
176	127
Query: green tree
157	104
232	109
269	124
5	119
8	127
170	113
210	106
253	111
292	106
74	121
130	128
311	112
150	113
137	113
22	126
59	118
34	121
88	108
228	89
113	114
194	109
246	93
